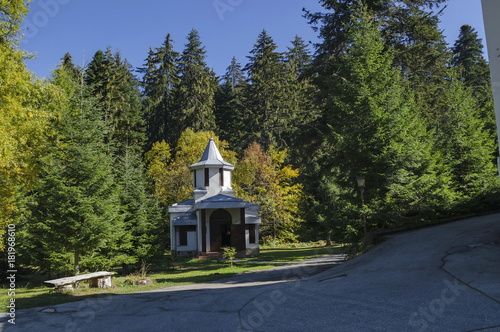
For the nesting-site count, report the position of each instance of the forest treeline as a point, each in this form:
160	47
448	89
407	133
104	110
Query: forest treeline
91	157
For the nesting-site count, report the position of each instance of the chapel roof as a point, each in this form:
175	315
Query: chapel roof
222	201
212	157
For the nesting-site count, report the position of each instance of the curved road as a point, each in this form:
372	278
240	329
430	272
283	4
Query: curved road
442	278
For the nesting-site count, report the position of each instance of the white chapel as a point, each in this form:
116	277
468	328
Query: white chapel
213	218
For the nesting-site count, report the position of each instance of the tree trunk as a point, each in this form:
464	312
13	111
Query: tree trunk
328	239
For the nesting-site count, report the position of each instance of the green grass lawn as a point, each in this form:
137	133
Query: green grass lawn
293	254
32	292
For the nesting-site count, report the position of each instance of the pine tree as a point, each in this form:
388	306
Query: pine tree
110	79
371	126
409	28
460	136
468	58
267	115
75	206
144	220
229	105
160	77
299	91
195	91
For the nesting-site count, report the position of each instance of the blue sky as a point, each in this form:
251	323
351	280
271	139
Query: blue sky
227	27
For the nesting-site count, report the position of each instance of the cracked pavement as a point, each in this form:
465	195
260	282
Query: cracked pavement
441	278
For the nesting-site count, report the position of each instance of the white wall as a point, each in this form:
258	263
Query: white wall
191	240
247	238
491	14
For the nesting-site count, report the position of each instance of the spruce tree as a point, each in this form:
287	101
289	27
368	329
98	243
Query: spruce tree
159	78
474	71
267	114
75	206
409	28
468	149
370	126
468	54
299	92
195	90
69	67
96	74
144	219
229	105
110	80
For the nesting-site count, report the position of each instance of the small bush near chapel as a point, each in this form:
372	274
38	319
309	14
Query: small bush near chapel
229	253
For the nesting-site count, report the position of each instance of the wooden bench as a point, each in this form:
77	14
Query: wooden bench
100	279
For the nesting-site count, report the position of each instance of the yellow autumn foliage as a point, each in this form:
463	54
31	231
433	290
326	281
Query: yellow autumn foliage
27	106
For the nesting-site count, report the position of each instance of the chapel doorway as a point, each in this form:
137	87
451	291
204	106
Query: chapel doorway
220	230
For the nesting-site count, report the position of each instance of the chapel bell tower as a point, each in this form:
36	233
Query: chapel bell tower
211	175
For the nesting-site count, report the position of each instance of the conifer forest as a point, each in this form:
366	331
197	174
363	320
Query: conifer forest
91	158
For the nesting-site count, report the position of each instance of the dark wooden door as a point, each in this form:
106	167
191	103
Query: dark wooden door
220	230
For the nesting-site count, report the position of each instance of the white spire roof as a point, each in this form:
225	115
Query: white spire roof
212	158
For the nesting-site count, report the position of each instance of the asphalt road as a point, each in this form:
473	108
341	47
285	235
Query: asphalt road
443	278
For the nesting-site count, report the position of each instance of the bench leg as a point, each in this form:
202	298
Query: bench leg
65	288
104	282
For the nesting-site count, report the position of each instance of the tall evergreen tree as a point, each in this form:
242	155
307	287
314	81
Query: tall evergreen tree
409	28
75	206
460	136
234	75
267	114
110	79
96	74
299	91
298	57
475	73
229	104
144	219
468	54
371	126
195	91
69	67
160	77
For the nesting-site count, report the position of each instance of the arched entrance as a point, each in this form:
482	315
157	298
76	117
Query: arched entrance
220	229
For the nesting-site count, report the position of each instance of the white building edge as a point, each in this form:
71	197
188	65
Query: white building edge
491	14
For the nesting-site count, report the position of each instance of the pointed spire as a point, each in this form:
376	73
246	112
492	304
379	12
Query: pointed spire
211	157
211	152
